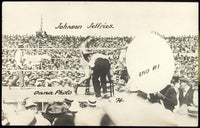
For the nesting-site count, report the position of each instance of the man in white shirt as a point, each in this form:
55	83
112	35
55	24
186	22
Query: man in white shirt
19	56
85	58
100	65
19	59
19	64
95	57
33	109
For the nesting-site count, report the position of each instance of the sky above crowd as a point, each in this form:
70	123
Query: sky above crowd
128	19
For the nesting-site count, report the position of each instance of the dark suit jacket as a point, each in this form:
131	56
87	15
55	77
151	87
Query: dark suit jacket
64	120
170	100
188	98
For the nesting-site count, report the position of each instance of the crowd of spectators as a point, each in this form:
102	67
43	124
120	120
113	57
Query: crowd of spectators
66	112
63	41
63	67
183	44
11	41
64	52
185	51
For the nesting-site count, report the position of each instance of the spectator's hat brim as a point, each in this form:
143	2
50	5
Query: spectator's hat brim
75	107
67	100
20	45
41	79
29	103
92	102
55	80
193	111
184	79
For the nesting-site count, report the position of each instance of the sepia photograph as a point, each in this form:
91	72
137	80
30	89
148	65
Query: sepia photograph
100	64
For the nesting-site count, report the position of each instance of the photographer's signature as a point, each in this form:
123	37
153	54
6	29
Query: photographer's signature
119	100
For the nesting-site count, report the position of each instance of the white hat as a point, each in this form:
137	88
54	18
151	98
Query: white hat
75	106
92	102
29	103
20	45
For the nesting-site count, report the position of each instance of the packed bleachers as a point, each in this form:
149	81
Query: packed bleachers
185	51
58	64
64	56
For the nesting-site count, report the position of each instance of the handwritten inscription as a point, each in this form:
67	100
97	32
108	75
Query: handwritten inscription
155	67
67	26
119	100
90	26
61	92
57	92
100	25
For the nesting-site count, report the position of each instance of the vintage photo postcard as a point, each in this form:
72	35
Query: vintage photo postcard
99	64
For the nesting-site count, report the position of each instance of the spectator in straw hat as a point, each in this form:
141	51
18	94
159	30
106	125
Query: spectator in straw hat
185	97
186	92
32	108
75	107
29	104
92	102
89	116
59	117
67	103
